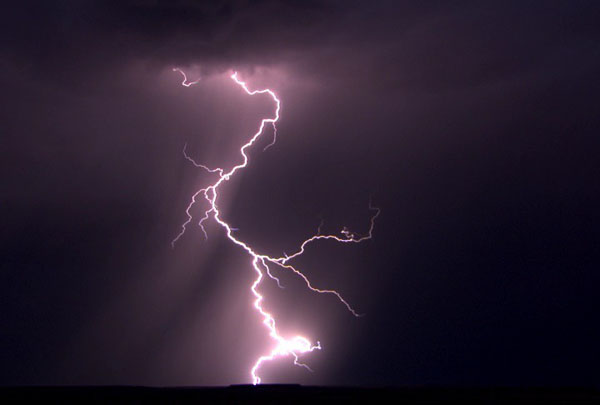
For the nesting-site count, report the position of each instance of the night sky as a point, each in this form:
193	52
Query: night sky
473	125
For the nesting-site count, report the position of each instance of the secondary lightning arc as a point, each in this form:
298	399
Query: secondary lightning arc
284	347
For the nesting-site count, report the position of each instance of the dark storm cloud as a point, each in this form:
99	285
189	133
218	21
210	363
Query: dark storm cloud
430	44
51	38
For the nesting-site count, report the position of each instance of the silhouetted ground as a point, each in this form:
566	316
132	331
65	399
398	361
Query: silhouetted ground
285	394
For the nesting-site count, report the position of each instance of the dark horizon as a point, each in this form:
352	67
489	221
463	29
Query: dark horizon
277	394
473	126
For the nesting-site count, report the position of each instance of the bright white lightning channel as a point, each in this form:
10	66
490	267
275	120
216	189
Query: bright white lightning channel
283	347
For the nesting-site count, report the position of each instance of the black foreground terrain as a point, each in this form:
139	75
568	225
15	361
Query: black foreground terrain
286	394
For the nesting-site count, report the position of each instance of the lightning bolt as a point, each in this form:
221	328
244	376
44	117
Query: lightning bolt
283	347
185	81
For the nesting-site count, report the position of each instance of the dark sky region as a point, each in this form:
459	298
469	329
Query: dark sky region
473	125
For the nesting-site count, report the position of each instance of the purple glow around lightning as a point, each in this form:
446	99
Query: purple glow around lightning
283	347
